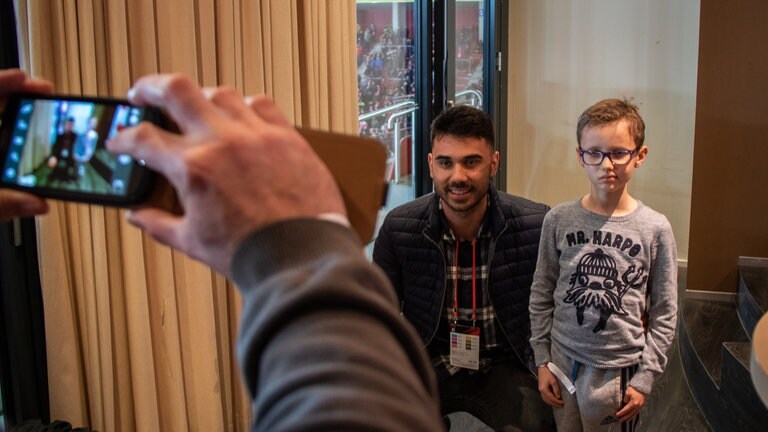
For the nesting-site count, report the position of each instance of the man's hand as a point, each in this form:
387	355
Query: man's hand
236	167
634	403
15	204
549	388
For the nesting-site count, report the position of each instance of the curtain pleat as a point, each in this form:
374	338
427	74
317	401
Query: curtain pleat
140	337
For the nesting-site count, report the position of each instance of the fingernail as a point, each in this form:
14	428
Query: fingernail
131	93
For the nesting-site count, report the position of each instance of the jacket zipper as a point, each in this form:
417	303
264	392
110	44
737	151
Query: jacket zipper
488	283
442	298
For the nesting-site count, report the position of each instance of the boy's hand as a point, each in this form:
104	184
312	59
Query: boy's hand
549	388
634	403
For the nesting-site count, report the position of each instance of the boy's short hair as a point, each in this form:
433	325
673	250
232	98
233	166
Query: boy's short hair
462	121
610	110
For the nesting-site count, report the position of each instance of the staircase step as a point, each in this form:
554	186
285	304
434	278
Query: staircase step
709	324
671	406
745	411
740	352
752	291
756	280
755	273
715	352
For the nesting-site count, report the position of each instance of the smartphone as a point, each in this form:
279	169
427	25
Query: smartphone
54	146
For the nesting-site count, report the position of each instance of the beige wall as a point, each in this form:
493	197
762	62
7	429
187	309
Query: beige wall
566	55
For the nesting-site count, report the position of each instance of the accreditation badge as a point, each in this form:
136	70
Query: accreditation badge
465	347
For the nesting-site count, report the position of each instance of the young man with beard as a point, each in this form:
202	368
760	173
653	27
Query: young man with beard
462	261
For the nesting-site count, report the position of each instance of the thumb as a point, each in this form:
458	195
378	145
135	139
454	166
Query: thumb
556	389
159	224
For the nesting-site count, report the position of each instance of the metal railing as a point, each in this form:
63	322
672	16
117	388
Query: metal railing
476	100
399	109
410	107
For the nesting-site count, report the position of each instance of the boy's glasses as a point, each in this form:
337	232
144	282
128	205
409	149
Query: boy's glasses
617	157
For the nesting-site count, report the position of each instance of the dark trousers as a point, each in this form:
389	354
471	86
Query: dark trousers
506	397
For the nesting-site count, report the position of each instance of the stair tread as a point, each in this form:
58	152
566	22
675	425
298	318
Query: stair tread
740	351
756	280
710	324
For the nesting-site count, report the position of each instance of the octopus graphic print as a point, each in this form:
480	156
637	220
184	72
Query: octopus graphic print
597	284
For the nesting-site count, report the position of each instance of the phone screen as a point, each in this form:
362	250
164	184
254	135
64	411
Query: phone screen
58	145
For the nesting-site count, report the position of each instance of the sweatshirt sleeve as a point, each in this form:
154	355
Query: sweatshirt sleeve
542	304
662	311
321	345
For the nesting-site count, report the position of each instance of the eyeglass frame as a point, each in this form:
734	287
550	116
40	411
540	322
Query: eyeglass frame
607	154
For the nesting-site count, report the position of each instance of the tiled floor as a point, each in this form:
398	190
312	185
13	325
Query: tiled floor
670	408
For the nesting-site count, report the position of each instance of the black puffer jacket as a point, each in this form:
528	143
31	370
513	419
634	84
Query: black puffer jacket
409	249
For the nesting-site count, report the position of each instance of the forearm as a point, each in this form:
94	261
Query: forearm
322	345
541	310
658	339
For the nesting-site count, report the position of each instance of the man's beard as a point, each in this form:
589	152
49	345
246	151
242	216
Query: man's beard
476	199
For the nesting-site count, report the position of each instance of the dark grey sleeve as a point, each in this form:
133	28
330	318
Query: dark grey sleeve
322	345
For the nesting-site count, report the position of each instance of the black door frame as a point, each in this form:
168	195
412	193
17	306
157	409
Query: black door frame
434	75
23	364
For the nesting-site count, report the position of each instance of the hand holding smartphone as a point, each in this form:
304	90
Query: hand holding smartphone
54	146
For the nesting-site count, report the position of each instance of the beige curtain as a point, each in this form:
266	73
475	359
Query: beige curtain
139	337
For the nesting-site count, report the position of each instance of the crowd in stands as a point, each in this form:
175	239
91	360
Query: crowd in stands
386	72
386	75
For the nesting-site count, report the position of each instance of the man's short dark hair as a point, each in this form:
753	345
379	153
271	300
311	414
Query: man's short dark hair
610	110
463	121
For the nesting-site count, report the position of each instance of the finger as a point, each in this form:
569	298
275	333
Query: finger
557	403
15	204
160	150
267	109
547	400
629	415
627	412
161	225
15	80
551	400
228	100
35	85
11	80
181	99
556	389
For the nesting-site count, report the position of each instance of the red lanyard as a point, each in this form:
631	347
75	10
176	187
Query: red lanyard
474	284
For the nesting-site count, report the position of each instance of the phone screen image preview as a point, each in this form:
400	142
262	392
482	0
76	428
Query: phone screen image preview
59	145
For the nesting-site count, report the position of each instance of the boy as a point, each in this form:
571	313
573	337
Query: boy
604	296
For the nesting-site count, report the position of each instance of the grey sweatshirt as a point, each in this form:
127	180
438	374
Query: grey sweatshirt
322	345
595	278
